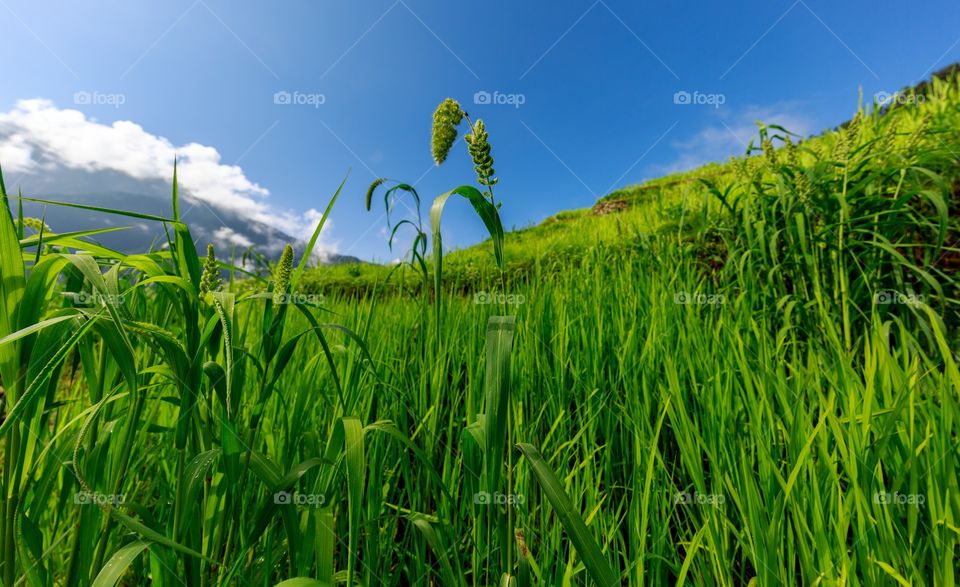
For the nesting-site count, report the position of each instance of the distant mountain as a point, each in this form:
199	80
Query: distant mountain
60	154
336	259
226	229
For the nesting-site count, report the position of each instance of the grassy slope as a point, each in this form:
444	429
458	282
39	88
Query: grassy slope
676	205
746	441
787	413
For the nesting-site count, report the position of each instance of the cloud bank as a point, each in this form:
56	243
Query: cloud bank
37	137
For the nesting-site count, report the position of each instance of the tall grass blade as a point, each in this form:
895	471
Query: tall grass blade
113	571
596	564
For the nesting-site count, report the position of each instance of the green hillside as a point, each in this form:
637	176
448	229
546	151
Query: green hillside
920	124
742	375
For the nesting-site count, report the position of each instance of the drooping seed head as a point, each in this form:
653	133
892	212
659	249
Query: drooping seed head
445	120
373	187
281	280
36	224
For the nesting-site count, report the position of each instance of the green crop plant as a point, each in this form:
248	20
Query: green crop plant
742	375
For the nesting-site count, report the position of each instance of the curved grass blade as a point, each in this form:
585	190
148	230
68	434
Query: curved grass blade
39	383
53	238
439	548
348	437
193	477
500	331
302	582
36	327
588	549
691	551
313	239
487	212
98	209
111	572
149	533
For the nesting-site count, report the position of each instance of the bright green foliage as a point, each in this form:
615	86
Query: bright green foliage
746	374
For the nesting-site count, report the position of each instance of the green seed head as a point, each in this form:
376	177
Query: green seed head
479	146
281	280
847	139
889	142
373	187
210	279
769	152
445	120
918	135
36	224
791	151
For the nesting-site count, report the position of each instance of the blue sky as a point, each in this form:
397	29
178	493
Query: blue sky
597	81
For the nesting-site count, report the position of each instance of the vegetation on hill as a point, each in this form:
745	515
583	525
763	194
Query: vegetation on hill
918	127
741	377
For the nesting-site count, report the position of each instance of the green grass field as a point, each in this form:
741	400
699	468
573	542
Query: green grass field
743	375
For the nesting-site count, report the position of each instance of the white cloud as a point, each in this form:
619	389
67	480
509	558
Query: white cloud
36	135
730	136
15	153
227	236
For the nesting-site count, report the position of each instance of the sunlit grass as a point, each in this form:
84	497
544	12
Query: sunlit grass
750	379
